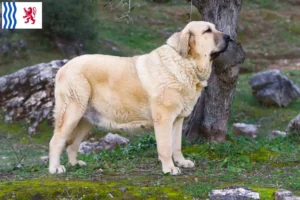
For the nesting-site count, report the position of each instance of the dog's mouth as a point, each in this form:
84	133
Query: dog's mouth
215	55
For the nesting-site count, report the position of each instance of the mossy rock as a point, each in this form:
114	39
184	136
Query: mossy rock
64	189
265	193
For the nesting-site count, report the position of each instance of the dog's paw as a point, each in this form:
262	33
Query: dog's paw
57	170
172	170
185	163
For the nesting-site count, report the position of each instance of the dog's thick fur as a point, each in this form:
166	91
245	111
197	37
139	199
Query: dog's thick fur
157	89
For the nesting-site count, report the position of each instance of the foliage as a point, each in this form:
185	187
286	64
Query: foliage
70	19
130	152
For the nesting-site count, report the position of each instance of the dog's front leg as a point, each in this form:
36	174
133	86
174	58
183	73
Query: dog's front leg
163	125
177	142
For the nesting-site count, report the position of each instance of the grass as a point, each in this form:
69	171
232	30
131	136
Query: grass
136	168
266	29
248	110
37	50
239	161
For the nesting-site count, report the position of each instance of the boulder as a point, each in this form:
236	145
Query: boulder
246	130
45	159
274	89
285	195
108	143
294	125
276	133
28	94
233	193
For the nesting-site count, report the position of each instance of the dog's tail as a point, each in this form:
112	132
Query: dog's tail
75	89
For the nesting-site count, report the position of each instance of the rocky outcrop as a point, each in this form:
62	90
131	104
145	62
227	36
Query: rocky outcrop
294	125
233	193
108	143
274	89
285	195
246	130
28	94
276	133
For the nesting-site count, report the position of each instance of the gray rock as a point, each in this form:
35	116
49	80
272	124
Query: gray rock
123	189
45	159
233	193
246	130
12	47
19	165
274	89
19	45
285	195
87	147
109	142
5	47
28	94
276	133
294	125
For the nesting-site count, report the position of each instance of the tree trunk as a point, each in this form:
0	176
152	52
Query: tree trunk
210	115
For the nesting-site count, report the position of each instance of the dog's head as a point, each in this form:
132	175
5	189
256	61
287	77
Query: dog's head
199	39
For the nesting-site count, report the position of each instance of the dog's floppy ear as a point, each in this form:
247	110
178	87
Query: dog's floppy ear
183	45
180	41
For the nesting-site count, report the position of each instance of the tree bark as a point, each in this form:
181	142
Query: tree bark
211	113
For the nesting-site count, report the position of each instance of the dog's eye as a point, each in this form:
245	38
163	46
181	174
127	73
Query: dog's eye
208	31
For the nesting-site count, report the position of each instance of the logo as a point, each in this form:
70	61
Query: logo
21	15
30	14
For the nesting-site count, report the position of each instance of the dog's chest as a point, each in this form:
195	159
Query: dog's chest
190	100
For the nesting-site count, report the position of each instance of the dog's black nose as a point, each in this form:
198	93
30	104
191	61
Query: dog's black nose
227	37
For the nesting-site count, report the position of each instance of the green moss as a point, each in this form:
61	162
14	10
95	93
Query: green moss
11	128
285	164
200	189
202	151
255	156
262	155
265	193
59	189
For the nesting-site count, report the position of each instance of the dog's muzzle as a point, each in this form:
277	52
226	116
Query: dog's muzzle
226	39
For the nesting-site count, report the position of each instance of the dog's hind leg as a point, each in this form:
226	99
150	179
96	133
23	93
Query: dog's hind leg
71	100
75	139
60	136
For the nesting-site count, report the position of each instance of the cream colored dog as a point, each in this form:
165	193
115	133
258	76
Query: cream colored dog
157	89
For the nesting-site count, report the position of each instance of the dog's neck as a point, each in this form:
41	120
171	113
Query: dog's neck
203	69
201	66
186	70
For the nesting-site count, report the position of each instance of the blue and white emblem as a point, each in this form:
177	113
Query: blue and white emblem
21	15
